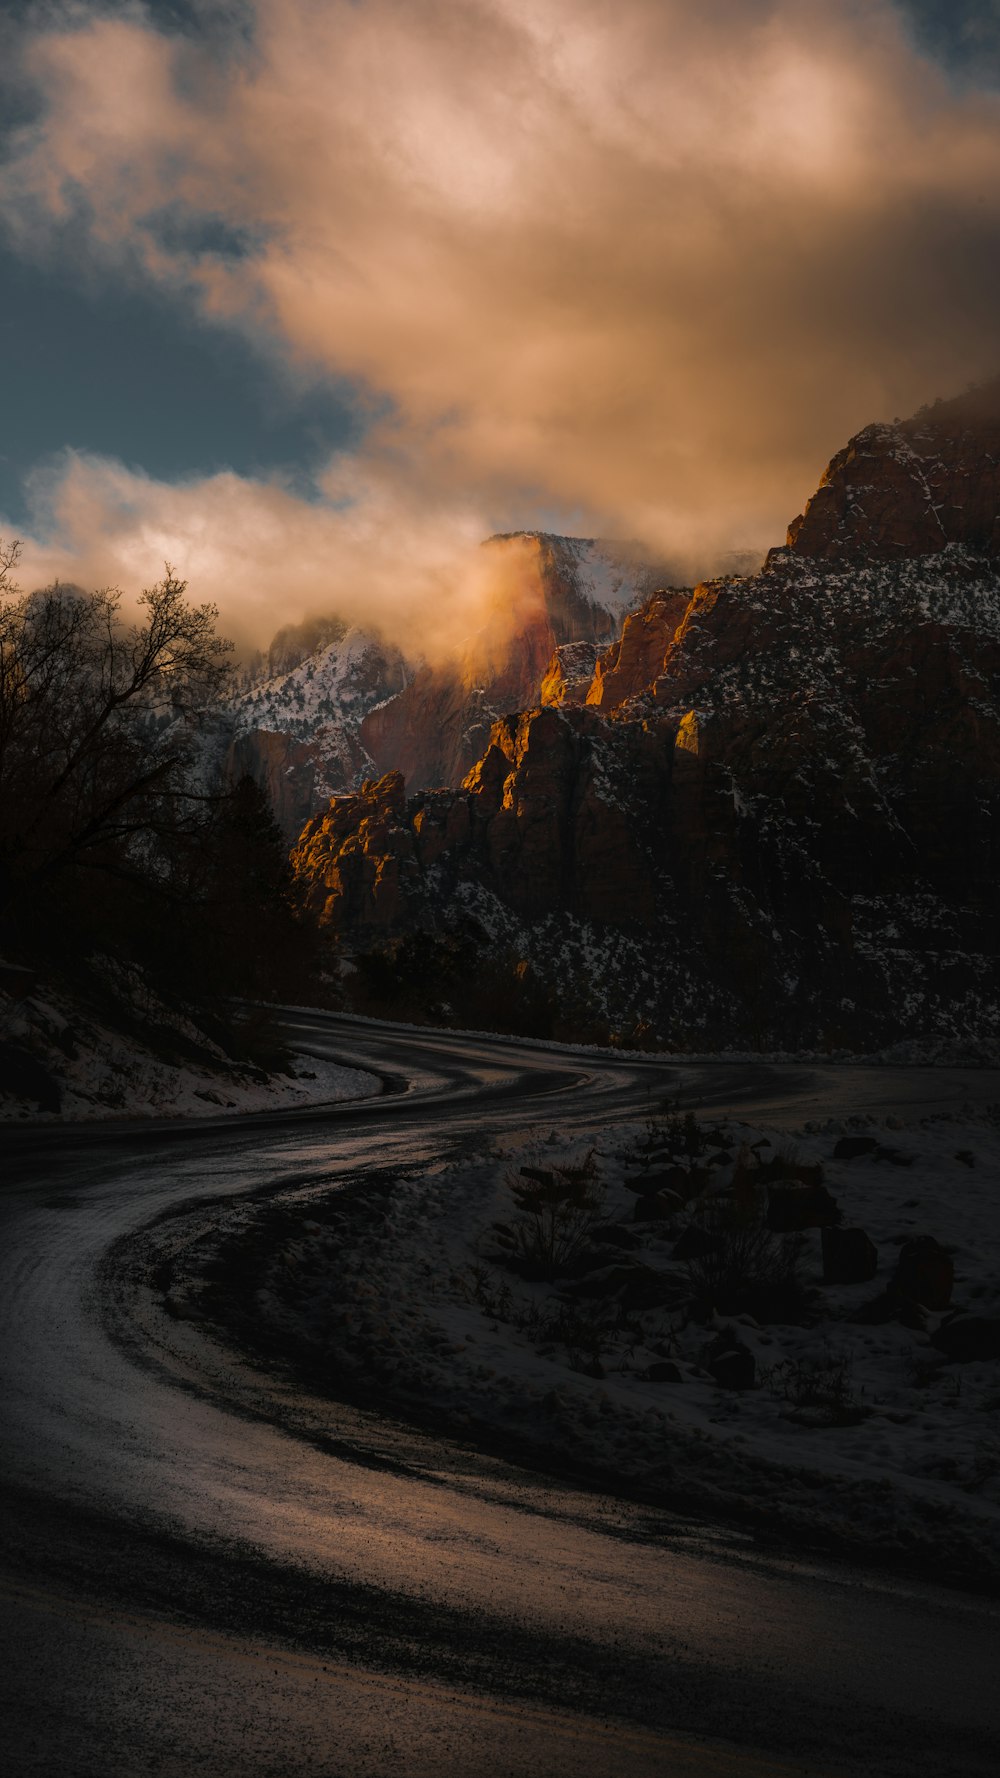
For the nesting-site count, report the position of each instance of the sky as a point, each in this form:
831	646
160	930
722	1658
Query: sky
309	296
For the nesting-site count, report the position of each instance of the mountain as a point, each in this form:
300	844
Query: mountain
357	707
577	590
912	488
774	820
298	733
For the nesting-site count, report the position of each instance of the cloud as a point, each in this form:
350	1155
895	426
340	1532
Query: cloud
265	556
639	268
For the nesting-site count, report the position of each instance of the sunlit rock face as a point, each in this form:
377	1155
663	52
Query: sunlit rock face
567	678
633	661
355	862
775	822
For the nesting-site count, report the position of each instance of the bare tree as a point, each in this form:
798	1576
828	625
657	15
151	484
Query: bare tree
96	720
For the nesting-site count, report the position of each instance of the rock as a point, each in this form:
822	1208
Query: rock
539	1175
663	1371
792	1208
849	1256
568	676
924	1273
632	663
969	1338
605	1282
731	1363
851	1148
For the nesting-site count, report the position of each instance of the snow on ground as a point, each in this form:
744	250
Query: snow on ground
61	1061
860	1431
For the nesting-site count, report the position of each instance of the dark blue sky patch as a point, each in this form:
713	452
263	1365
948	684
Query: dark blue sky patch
963	34
126	374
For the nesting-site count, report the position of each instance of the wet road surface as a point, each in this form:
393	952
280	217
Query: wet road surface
194	1581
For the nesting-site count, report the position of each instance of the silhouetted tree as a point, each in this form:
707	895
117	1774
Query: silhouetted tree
96	721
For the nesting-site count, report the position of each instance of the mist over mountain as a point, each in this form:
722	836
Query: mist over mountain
315	722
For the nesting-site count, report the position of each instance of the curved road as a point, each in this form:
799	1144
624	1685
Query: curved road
205	1572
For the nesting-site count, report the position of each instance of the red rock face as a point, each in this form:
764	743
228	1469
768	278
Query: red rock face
352	860
567	678
287	770
776	821
436	729
911	488
631	664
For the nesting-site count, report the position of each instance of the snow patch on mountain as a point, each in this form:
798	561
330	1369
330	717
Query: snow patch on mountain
337	685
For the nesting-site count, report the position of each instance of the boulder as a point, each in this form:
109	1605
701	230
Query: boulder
849	1256
924	1273
663	1371
852	1148
731	1363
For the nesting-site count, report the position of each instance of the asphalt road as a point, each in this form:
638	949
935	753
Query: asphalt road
202	1571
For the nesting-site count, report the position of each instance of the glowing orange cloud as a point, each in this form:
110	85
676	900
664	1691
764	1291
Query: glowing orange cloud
643	267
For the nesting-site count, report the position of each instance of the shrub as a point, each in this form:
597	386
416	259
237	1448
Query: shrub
821	1391
586	1330
557	1210
747	1270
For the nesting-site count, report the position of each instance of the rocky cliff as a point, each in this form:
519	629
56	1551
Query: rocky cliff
911	488
298	733
356	707
774	821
